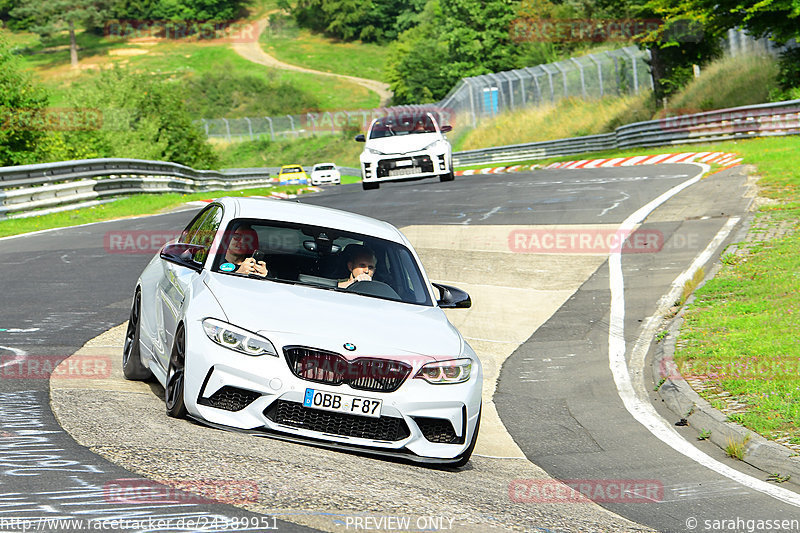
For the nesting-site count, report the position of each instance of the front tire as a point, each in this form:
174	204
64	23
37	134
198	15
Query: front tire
369	185
450	176
173	390
132	367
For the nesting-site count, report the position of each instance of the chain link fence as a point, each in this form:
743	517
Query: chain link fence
617	72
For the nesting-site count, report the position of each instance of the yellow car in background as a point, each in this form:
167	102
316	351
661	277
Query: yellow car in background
292	175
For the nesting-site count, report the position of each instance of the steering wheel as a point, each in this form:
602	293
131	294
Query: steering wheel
373	288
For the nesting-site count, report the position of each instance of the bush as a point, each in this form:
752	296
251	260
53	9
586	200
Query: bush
226	94
143	117
788	77
21	102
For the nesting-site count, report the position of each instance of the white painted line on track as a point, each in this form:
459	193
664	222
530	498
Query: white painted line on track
16	351
637	404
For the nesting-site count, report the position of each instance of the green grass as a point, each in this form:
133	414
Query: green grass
570	117
290	44
728	82
735	449
343	151
141	204
178	60
740	329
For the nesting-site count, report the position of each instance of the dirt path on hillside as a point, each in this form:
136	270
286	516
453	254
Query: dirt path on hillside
252	51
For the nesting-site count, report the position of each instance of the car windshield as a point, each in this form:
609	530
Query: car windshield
401	125
324	167
322	258
288	170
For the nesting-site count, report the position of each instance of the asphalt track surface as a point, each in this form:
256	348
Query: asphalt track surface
556	394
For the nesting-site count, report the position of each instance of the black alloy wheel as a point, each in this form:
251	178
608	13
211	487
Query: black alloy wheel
132	366
173	391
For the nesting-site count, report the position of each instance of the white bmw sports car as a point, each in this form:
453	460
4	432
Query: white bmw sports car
405	147
309	324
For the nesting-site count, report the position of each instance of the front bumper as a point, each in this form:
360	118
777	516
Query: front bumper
419	421
319	180
397	167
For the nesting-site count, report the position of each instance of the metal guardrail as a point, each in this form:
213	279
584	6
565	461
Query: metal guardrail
746	122
38	189
52	187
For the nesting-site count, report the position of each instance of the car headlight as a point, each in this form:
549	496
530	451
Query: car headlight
373	151
446	372
436	145
237	339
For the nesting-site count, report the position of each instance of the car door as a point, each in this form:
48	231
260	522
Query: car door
173	288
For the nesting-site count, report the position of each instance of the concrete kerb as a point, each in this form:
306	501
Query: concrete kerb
679	396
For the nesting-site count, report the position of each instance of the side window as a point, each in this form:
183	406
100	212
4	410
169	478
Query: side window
206	231
191	229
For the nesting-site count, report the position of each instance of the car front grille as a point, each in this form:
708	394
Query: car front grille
230	398
438	430
390	167
293	414
364	373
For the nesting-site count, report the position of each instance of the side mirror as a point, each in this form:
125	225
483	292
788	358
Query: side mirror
360	138
452	297
184	254
446	129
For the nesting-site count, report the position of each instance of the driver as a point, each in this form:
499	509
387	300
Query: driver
361	265
244	242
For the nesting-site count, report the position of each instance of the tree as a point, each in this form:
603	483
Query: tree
454	39
779	19
143	117
375	20
55	16
21	104
413	67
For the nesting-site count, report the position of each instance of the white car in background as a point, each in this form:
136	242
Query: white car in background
373	366
405	147
325	173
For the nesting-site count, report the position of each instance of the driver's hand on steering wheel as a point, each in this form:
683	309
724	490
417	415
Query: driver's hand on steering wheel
363	277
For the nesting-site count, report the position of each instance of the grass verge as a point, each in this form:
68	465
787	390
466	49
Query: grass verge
142	204
265	153
728	82
179	60
286	42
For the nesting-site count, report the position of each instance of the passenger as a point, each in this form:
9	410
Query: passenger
244	243
361	265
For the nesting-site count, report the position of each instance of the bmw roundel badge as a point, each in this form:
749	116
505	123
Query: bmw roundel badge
349	346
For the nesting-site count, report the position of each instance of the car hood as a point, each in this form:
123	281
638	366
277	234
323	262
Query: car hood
326	319
402	144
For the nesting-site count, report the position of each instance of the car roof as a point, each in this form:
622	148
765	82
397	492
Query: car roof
282	210
320	164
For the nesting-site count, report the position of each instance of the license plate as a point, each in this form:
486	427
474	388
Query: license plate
402	171
342	403
403	163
